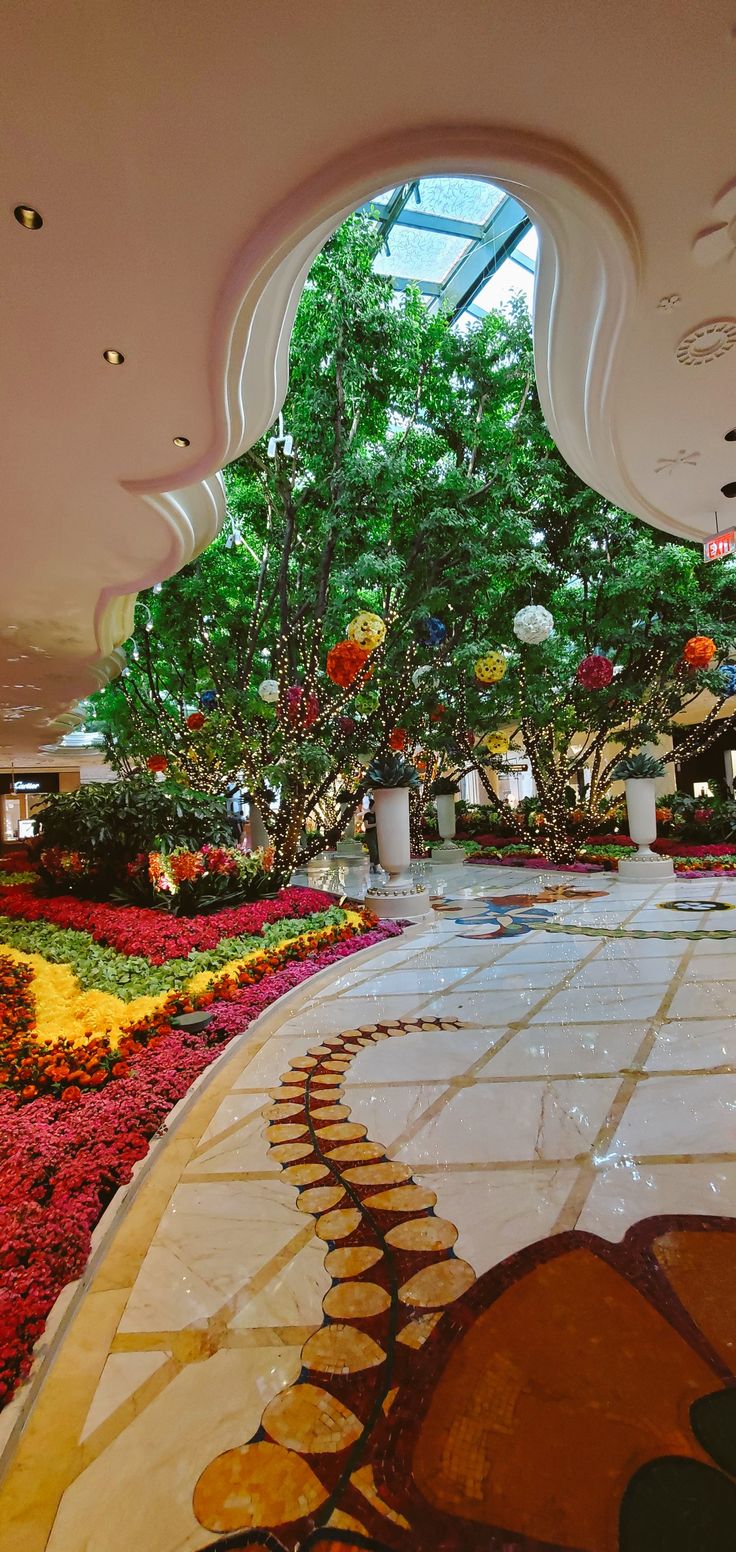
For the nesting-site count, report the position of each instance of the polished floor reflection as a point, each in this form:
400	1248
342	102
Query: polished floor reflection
442	1256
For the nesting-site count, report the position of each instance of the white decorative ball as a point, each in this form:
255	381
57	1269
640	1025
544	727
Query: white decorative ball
268	690
418	675
533	624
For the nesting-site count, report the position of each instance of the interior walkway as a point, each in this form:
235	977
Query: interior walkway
394	1270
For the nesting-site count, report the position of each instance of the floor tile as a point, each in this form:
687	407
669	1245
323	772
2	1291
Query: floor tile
627	1192
602	1004
704	1000
642	973
666	1115
497	1212
694	1043
547	1049
513	1121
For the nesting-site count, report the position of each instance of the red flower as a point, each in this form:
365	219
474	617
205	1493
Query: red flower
195	721
157	762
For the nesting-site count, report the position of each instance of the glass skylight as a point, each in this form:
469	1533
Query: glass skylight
467	199
416	254
463	241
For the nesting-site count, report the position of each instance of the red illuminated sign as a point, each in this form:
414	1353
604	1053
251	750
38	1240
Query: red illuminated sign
720	545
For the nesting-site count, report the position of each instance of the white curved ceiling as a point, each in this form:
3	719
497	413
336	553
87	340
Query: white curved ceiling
188	161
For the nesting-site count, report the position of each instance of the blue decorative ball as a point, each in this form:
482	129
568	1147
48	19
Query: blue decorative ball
208	700
728	674
432	631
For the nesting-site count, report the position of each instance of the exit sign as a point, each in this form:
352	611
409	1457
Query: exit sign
720	545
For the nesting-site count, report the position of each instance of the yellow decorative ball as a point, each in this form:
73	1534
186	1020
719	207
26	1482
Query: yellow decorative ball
368	630
495	743
491	668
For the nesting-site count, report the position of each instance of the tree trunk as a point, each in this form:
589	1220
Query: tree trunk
559	846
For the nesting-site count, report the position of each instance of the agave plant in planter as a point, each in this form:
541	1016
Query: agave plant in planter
639	773
388	771
391	777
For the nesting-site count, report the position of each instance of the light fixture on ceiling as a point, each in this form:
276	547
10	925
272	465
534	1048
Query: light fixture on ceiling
181	441
729	489
114	357
730	436
26	216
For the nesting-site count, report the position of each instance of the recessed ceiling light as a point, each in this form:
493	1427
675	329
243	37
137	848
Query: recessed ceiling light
28	217
730	436
729	489
115	357
181	441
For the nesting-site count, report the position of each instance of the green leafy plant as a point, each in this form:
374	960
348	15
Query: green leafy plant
638	767
444	787
392	770
88	837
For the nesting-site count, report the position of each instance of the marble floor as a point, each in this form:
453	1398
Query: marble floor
442	1255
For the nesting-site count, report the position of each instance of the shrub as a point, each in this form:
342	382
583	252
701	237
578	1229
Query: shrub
88	837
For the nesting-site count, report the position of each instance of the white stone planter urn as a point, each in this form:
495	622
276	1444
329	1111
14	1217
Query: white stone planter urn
641	807
445	806
446	824
400	896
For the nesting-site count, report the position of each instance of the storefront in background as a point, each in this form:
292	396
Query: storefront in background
21	793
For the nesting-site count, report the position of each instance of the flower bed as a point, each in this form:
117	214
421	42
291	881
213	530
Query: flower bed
91	1065
717	860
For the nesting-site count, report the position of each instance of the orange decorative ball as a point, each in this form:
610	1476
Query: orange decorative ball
345	661
698	651
397	739
195	721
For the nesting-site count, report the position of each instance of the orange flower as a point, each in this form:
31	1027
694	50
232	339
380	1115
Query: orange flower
184	865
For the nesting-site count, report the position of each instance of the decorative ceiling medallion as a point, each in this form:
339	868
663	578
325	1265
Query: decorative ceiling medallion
666	303
707	342
716	244
666	465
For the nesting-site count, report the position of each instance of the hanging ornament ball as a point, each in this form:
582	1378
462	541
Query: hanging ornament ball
195	721
308	709
346	725
698	651
438	713
491	668
157	763
728	675
208	700
367	629
533	624
419	674
595	671
397	739
345	661
366	701
495	743
268	690
431	631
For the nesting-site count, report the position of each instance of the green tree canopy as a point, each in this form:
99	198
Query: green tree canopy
422	484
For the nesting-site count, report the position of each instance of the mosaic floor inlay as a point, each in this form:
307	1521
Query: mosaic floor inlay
442	1257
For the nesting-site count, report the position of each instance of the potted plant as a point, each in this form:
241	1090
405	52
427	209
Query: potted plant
391	778
445	790
639	773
